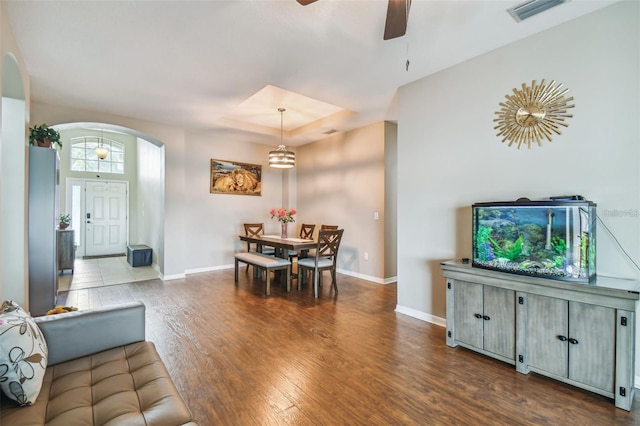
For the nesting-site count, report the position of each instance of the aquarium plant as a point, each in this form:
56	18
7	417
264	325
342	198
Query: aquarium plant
483	246
558	244
509	250
584	251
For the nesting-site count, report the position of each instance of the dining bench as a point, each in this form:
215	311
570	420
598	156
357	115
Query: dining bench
267	262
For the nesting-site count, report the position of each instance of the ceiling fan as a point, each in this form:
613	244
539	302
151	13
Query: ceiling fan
397	17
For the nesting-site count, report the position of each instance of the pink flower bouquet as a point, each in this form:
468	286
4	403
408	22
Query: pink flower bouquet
284	216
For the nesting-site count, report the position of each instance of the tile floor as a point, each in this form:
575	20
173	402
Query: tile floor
89	273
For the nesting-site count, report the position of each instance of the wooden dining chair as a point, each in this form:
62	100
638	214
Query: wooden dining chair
256	230
312	252
325	259
306	232
328	226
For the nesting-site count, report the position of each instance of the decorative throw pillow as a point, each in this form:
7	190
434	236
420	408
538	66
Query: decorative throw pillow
23	354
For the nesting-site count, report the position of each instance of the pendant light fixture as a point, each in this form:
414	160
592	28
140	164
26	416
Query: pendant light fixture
101	150
281	158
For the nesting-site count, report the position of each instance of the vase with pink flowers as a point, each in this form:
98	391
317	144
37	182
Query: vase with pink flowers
284	216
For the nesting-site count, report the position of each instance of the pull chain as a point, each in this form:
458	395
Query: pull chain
406	20
407	63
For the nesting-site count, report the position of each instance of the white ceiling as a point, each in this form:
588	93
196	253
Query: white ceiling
194	63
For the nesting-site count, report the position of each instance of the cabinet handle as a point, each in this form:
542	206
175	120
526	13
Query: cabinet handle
562	338
573	341
477	316
486	317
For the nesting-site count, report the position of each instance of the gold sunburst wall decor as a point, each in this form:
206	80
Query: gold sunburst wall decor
533	113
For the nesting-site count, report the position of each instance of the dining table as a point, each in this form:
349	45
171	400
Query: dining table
281	246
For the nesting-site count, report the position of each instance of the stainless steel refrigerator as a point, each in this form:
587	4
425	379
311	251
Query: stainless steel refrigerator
44	179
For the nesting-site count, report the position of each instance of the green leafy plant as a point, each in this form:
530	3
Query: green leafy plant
558	244
39	134
510	250
483	246
65	218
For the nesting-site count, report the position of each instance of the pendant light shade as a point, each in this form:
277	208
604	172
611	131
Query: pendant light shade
281	158
101	150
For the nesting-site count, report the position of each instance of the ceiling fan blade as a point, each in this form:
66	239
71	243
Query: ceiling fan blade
397	17
305	2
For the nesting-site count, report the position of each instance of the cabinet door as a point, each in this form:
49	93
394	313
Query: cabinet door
499	321
547	329
66	253
468	305
592	345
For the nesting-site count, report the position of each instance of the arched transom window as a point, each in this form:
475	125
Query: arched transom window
85	159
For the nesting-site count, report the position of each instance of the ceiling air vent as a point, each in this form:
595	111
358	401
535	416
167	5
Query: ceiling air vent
533	7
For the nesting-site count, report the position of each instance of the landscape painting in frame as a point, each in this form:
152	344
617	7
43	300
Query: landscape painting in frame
230	177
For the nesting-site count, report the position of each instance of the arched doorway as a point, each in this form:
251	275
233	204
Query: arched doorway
143	175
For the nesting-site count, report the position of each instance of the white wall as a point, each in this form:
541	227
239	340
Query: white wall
14	113
450	157
150	200
13	214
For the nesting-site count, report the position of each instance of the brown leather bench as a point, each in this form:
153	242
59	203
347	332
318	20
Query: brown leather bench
101	371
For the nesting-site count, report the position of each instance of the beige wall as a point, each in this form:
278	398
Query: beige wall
10	47
341	181
390	200
214	221
450	157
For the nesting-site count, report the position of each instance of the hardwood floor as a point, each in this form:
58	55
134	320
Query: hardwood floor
239	358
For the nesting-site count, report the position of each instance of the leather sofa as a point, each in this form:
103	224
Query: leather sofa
101	371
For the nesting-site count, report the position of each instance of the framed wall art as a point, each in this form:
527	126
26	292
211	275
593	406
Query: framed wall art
231	177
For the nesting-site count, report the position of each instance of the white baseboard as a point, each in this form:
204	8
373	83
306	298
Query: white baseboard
442	322
171	277
208	269
376	280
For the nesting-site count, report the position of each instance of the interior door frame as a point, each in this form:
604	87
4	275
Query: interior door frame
80	223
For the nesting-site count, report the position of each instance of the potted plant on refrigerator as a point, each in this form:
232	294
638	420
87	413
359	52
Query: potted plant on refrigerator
64	221
44	136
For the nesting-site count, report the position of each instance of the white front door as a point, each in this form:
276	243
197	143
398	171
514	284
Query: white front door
106	218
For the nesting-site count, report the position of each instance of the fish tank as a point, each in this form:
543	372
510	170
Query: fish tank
554	239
